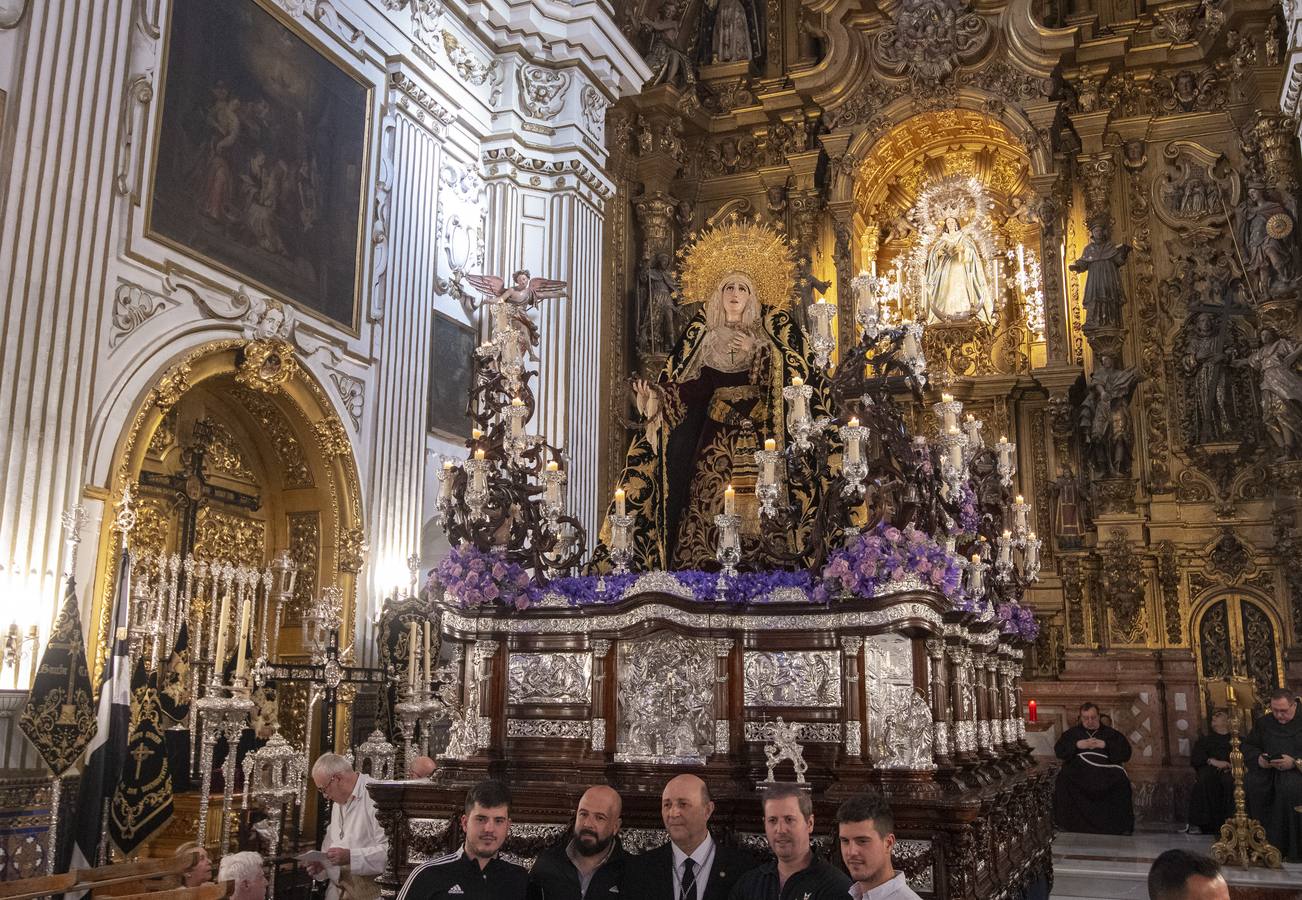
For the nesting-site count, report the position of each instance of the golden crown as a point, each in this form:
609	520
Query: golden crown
733	246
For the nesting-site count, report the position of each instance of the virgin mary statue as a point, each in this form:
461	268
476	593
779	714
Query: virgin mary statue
956	282
717	400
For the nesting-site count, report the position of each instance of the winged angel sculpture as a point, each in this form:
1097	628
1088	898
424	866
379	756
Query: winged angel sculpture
513	302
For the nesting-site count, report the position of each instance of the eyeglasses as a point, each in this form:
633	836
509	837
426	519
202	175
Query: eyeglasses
323	790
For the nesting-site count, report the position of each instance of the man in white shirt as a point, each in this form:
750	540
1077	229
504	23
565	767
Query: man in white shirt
354	842
665	873
865	827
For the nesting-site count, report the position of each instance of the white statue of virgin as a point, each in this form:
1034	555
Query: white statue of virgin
957	286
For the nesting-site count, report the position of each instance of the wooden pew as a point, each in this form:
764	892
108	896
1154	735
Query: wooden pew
208	891
25	888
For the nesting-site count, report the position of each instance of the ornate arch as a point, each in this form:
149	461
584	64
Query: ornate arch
283	397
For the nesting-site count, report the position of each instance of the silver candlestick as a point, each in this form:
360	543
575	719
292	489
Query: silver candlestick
220	716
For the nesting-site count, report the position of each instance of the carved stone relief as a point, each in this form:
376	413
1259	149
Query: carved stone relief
549	678
133	306
542	91
1196	189
792	678
666	700
929	39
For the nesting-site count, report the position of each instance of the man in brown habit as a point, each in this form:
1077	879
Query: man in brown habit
1272	754
1093	793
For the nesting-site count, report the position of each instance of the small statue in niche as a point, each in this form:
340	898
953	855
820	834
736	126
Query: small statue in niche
776	200
1280	389
1213	415
806	284
658	315
1266	231
1101	262
1271	37
1105	418
733	32
1069	515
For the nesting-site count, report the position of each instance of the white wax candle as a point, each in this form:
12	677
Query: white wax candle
619	502
445	486
426	653
768	473
1006	548
481	477
411	654
517	420
798	401
729	501
852	448
1032	551
553	489
240	660
223	617
1019	512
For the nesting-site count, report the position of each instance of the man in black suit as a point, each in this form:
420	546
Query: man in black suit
691	866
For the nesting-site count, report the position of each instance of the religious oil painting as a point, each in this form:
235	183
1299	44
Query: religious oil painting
262	155
452	349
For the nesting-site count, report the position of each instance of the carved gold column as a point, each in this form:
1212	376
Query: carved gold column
942	741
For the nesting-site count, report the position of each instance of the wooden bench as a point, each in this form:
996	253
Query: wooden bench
36	887
154	876
208	891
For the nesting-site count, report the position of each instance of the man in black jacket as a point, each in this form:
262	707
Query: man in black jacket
796	874
664	873
591	865
474	872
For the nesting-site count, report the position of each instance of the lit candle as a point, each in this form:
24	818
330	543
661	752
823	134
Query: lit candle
729	501
426	654
1006	548
476	434
769	471
949	415
1031	715
852	446
973	430
223	617
240	660
976	578
619	502
955	451
798	400
1019	512
822	321
480	477
411	654
1032	552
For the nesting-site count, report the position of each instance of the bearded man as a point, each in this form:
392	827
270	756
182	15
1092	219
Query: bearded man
592	864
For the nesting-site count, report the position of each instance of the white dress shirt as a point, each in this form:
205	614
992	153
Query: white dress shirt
703	857
895	889
353	825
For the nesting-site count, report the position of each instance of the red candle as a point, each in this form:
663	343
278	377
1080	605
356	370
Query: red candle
1030	712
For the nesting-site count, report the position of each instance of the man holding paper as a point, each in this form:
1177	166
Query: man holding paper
355	846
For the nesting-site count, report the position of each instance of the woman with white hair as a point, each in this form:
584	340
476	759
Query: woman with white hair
245	870
717	400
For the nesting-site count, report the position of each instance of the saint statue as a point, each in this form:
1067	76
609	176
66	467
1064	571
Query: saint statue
1102	262
1212	413
734	34
1280	390
1069	517
955	276
657	317
718	398
1105	417
807	284
1266	230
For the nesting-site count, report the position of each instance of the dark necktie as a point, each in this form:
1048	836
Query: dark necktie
689	880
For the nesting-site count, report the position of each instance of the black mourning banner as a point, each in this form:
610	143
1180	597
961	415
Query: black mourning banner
142	803
174	683
59	718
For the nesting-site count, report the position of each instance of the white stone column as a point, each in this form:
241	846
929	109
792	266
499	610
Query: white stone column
413	129
63	108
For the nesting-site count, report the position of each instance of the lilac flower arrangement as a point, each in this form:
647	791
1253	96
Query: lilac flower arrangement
1016	620
749	587
473	577
969	517
888	554
1027	626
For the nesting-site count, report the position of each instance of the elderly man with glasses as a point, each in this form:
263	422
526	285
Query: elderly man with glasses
354	841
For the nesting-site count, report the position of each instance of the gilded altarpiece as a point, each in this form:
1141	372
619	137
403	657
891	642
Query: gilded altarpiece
1139	213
